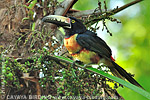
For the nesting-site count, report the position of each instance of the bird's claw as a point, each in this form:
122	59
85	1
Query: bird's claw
77	61
87	65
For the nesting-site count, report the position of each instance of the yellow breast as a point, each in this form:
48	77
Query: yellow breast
87	57
71	44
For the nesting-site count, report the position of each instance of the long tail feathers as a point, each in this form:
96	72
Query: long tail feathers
121	73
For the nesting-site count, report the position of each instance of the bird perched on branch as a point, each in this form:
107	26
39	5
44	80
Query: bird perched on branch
86	46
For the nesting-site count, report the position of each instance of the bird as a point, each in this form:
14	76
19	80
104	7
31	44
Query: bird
87	47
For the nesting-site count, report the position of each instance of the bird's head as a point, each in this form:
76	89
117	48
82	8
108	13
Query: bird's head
70	24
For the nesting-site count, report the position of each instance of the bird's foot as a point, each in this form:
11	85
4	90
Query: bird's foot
77	61
87	65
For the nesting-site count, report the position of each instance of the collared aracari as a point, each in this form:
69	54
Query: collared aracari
87	47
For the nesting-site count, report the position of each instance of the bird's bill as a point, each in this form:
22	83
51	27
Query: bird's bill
58	20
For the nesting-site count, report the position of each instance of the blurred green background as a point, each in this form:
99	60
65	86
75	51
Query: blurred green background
130	42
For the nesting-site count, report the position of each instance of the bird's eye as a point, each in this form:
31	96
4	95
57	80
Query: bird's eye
73	21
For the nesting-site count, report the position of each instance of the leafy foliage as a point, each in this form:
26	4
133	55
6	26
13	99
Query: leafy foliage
56	78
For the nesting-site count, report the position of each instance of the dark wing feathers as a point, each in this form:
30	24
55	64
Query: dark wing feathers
92	42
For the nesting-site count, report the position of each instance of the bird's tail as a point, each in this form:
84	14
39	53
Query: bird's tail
121	73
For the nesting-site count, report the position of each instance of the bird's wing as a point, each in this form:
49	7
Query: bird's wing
92	42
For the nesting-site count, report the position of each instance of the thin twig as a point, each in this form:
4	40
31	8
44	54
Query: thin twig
124	7
112	12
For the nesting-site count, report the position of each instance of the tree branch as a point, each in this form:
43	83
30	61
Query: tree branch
111	12
124	7
64	7
84	13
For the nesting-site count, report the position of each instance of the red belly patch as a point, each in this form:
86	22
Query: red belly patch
95	59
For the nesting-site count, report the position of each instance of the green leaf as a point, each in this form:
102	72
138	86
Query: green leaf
124	83
33	26
32	4
29	1
25	18
30	14
25	6
71	61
